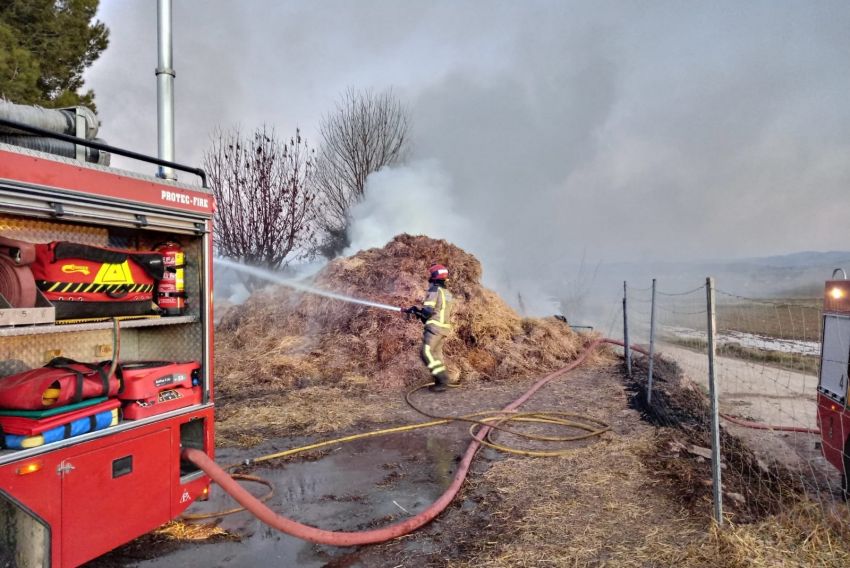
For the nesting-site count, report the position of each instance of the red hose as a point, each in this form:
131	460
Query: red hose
16	283
341	538
763	426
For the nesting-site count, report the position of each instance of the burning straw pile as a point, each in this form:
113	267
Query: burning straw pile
282	342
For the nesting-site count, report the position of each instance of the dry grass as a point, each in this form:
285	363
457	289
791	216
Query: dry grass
781	359
792	319
605	505
777	524
767	486
804	535
595	507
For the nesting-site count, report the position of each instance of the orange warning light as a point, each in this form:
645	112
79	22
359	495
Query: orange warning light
30	467
837	296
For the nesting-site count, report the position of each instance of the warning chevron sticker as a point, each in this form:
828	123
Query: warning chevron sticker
114	274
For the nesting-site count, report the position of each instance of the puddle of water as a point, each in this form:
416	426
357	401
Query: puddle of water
365	484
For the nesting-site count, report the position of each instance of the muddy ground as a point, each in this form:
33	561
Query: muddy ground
608	502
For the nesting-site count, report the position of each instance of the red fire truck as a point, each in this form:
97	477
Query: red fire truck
65	502
833	409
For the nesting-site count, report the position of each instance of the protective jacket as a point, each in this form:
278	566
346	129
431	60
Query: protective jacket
437	310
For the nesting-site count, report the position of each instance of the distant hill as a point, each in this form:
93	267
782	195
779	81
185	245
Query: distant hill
589	292
837	259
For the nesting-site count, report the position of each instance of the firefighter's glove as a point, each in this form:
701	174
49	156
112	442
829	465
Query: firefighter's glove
416	312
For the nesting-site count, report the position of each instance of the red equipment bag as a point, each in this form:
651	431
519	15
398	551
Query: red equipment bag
22	426
83	281
62	381
164	401
145	379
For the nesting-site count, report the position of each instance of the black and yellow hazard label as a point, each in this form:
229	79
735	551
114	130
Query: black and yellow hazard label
91	287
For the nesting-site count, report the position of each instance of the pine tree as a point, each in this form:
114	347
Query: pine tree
45	46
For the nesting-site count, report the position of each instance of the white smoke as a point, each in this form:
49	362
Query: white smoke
418	199
415	199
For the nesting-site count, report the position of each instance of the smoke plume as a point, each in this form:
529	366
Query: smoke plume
613	131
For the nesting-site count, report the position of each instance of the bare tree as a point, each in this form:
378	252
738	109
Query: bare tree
264	197
366	132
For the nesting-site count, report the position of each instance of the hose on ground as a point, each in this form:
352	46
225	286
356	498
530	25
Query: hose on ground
763	426
495	418
480	430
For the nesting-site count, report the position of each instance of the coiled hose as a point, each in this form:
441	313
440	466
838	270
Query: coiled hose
344	538
16	283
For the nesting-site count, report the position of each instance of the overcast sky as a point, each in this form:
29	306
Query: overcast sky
618	130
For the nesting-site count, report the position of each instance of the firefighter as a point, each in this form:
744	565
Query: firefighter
435	315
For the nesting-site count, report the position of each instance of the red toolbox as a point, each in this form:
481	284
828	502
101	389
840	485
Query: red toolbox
143	380
164	401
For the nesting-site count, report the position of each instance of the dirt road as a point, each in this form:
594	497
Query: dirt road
754	390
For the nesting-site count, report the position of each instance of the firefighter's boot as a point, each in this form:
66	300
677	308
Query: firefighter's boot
440	383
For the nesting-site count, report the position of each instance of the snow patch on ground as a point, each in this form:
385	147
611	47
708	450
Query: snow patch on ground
749	340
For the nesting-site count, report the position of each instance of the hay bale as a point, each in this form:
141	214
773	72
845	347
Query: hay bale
285	339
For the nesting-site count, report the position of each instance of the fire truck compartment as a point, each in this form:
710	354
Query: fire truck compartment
101	223
124	471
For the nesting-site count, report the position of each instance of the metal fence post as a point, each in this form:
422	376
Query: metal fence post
715	417
628	351
651	346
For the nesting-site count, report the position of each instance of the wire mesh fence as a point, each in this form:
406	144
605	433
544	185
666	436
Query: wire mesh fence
766	364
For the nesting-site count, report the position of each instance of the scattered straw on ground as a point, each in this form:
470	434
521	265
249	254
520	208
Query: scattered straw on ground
770	519
178	530
315	410
594	507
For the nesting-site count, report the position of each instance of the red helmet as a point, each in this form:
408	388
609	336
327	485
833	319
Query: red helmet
438	272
